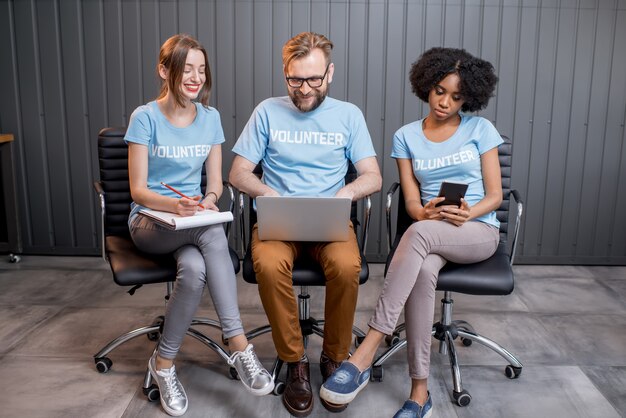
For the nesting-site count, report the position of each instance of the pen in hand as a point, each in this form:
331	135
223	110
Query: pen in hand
180	194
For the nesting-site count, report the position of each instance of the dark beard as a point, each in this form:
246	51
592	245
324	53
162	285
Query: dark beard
319	98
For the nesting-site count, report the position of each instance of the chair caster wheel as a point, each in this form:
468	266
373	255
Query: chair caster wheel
103	364
466	341
14	258
279	388
392	339
357	341
153	336
233	373
377	374
158	322
152	393
512	372
462	398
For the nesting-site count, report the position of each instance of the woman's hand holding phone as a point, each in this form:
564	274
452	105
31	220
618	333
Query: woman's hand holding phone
431	211
456	215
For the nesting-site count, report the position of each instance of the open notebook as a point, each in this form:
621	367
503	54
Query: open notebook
174	221
290	218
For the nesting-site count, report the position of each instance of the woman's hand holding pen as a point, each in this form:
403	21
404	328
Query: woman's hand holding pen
188	206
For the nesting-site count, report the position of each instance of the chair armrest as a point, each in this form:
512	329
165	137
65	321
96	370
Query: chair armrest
392	190
518	218
231	204
367	201
242	221
101	196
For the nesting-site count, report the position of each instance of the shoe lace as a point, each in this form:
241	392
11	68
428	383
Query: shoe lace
299	372
250	362
171	387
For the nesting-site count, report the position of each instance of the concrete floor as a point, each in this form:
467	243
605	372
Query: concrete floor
566	324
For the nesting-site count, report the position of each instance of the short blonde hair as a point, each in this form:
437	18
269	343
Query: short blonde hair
302	44
173	56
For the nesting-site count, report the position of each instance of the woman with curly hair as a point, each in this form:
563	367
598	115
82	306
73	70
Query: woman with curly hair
445	145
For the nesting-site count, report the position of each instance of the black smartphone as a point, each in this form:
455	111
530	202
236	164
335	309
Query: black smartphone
453	192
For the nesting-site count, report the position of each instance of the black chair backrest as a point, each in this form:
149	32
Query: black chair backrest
113	159
351	175
502	213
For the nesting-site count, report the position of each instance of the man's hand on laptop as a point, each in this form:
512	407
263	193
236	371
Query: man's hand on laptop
270	192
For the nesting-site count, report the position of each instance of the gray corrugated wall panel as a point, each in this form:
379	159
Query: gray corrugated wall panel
37	209
300	15
522	129
583	60
558	63
207	36
133	57
507	69
168	20
83	208
540	129
150	44
617	241
281	31
595	139
95	90
187	16
558	129
224	66
356	56
375	99
263	52
395	85
319	20
244	86
57	157
338	32
603	119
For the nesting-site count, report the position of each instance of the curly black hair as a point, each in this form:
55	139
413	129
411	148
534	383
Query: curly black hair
478	79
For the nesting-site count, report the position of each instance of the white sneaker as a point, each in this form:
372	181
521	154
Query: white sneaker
173	396
251	372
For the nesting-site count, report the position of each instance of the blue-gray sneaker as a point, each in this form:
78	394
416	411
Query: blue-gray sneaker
412	409
344	384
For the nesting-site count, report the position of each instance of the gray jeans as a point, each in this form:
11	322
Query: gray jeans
412	278
202	257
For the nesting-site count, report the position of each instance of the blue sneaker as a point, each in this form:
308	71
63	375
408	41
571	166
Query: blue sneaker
344	384
412	409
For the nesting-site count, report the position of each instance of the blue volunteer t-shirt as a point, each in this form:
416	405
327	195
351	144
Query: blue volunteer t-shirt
456	159
175	155
305	153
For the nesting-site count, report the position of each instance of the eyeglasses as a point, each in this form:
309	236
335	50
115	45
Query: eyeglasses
313	82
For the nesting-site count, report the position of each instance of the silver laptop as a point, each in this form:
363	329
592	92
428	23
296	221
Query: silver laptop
322	219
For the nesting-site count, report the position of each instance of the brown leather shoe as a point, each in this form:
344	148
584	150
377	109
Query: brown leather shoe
298	397
327	368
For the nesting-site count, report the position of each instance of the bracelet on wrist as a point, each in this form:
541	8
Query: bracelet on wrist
214	194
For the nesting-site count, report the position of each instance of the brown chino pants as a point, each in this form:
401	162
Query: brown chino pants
273	264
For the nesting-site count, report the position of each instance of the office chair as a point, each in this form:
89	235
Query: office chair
305	273
493	276
130	266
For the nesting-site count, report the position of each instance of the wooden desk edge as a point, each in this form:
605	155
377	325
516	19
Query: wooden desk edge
6	138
